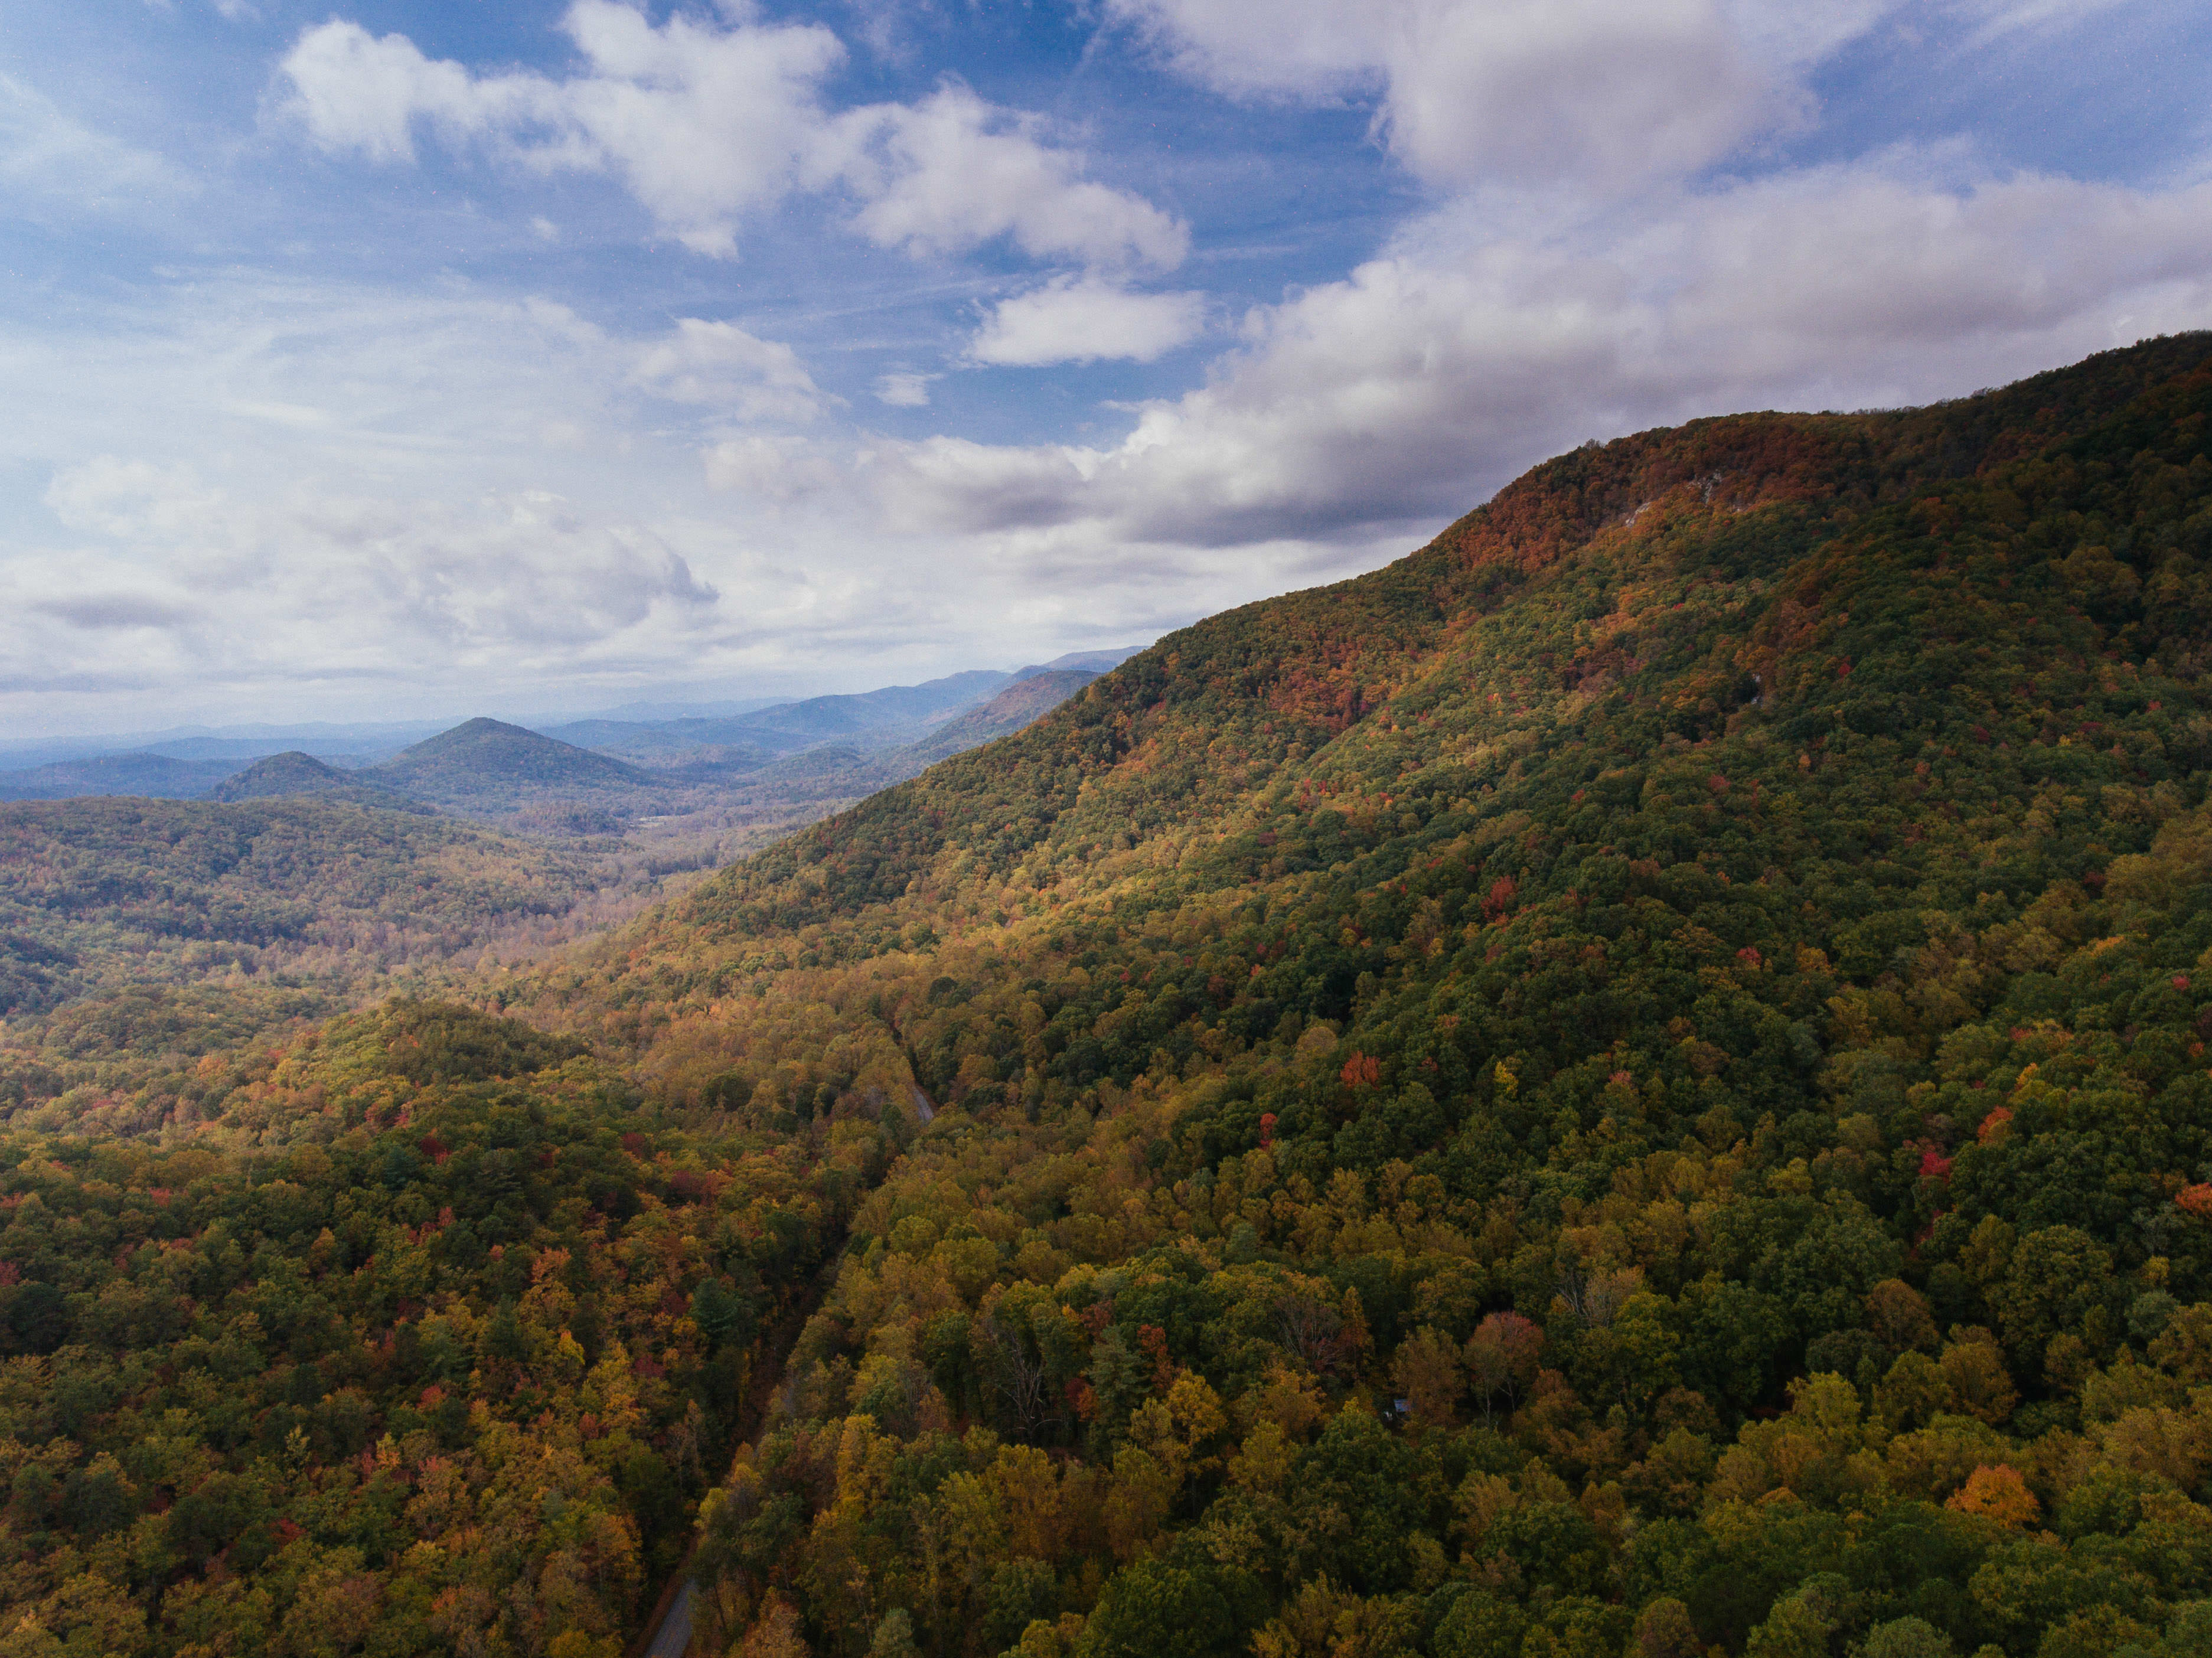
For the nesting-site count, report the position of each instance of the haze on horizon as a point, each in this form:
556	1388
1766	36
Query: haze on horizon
385	360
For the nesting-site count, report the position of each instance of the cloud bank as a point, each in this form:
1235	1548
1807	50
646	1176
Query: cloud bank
706	125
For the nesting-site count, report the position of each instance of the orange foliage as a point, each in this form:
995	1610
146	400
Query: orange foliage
1997	1494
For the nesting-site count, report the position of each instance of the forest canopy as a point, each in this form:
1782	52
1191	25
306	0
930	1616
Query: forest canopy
1632	1084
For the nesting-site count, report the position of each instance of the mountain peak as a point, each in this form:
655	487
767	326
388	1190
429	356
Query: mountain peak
488	764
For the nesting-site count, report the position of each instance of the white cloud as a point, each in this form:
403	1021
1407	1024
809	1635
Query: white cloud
1070	321
706	125
316	584
1428	377
2001	17
781	469
486	513
54	163
1600	93
702	125
952	173
719	363
904	390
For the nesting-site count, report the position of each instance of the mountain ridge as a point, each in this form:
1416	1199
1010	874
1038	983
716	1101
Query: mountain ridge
1634	1081
1651	1050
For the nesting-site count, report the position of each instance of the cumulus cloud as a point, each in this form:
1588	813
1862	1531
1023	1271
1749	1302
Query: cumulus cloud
702	125
1086	321
1532	92
477	509
719	363
1428	377
706	124
952	173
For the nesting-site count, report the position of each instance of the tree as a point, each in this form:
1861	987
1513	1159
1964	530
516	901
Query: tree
1502	1359
1997	1494
1153	1609
1906	1637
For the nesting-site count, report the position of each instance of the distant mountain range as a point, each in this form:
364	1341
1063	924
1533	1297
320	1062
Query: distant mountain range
157	775
609	767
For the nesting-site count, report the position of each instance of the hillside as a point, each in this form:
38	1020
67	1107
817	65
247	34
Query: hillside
745	740
291	774
1633	1083
98	895
1025	699
154	776
1637	1077
442	1329
485	767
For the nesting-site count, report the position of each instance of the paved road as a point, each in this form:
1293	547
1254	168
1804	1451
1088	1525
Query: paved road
675	1631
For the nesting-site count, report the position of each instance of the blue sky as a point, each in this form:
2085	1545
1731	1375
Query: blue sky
407	359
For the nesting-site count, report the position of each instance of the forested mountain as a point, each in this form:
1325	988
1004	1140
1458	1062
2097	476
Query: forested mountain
1634	1083
425	1341
102	894
281	776
1025	699
489	766
156	776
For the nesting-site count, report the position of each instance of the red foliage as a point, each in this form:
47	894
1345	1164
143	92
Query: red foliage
2195	1200
1934	1165
434	1148
1154	1341
1500	899
1266	1128
1362	1071
689	1186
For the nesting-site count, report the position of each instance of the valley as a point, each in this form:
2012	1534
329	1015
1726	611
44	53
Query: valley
1635	1081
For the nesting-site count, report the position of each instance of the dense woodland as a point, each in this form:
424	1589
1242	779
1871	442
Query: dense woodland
102	893
1634	1084
425	1341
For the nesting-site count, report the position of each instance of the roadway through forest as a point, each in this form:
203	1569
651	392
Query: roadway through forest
668	1632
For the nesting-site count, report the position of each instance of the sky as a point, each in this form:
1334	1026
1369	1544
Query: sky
389	359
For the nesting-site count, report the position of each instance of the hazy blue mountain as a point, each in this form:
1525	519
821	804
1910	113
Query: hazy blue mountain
1028	698
153	775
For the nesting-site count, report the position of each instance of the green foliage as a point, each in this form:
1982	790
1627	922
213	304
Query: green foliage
99	894
1738	907
1636	1082
403	1340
